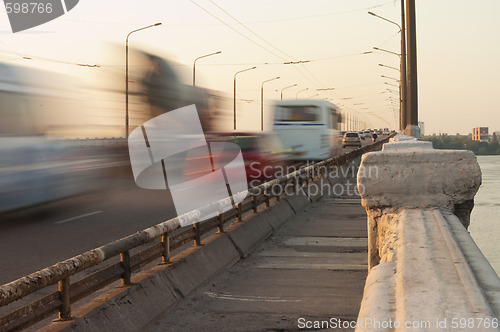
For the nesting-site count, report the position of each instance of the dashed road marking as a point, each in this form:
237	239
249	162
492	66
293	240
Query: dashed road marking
77	217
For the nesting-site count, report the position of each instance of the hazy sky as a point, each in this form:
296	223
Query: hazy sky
457	43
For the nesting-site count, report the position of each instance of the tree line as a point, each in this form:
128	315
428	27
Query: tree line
459	142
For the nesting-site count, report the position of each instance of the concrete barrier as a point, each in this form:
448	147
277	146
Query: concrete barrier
250	233
200	264
278	214
123	309
152	292
315	191
156	291
423	265
298	201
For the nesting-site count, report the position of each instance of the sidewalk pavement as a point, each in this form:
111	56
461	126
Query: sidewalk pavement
311	270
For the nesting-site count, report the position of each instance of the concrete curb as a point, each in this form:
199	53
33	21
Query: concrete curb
250	233
278	214
298	201
199	265
314	191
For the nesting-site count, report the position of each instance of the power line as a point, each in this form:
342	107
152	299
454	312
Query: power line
250	30
281	19
235	30
283	63
253	41
32	57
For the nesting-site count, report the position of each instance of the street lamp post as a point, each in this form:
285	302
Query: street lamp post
397	86
382	65
194	64
126	73
262	101
402	87
404	106
391	78
234	95
387	51
297	93
412	104
291	86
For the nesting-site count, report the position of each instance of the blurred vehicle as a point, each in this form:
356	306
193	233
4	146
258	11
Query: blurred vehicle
309	128
351	138
163	91
367	133
361	135
386	131
263	153
33	169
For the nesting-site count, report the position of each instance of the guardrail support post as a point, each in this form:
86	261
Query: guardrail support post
127	271
220	226
165	256
238	213
254	204
197	236
65	309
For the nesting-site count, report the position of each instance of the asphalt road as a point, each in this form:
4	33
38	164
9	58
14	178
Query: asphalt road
37	237
40	236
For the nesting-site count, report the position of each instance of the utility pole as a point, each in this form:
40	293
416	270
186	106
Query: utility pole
411	128
403	83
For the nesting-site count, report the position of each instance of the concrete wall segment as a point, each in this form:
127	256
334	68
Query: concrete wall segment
419	250
419	178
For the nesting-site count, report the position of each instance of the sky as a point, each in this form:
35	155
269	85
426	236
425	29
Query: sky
457	43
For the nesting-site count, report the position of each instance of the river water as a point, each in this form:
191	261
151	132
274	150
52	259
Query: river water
485	218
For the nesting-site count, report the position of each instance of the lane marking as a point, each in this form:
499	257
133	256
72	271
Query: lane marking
77	217
249	298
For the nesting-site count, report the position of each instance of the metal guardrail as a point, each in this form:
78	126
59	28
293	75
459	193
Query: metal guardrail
60	273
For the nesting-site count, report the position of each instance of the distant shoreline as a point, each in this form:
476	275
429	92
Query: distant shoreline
460	142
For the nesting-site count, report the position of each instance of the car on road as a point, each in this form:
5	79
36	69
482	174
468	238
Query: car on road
361	134
263	153
351	138
386	131
368	134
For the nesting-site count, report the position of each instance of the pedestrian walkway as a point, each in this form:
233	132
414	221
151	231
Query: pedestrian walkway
311	270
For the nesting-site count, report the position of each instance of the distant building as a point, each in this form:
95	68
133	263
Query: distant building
480	134
421	126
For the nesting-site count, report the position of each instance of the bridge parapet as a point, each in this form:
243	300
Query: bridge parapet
424	266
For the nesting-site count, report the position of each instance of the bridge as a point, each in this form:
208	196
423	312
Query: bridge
366	241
